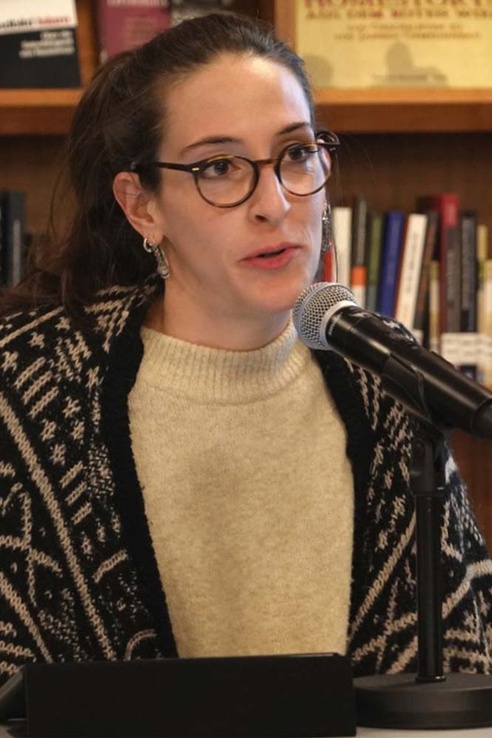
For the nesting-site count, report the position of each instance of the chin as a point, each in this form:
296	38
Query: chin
284	302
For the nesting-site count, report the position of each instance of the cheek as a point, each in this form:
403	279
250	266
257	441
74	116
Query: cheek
313	219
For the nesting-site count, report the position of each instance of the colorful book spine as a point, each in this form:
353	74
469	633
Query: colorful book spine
124	26
484	302
434	334
468	236
390	262
410	269
358	270
420	322
447	204
183	9
373	257
342	235
13	236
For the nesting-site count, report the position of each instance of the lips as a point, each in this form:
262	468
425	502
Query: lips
272	257
269	252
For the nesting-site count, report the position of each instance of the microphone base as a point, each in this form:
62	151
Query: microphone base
400	701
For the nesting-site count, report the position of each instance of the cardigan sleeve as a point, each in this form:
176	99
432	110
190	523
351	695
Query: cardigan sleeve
383	629
21	638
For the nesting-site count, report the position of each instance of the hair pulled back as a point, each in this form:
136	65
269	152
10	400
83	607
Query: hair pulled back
120	119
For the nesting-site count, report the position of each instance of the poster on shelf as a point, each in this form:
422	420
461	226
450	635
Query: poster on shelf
38	44
396	43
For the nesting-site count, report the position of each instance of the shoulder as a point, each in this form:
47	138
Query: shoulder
121	308
105	316
59	341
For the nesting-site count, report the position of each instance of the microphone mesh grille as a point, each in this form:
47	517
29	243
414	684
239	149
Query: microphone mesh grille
311	307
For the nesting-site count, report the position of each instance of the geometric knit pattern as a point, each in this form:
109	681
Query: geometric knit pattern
78	576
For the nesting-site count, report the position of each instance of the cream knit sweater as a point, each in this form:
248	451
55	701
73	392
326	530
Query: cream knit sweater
248	493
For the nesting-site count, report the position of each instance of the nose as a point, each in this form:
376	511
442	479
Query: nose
269	201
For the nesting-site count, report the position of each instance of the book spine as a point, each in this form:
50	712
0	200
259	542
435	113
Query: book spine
393	234
411	265
124	26
431	242
486	323
373	256
3	278
468	235
447	205
483	361
13	207
434	306
359	224
342	235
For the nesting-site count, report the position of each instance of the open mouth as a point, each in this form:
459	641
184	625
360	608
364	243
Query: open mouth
271	253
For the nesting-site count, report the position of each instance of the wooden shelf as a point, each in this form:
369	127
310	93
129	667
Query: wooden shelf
388	110
49	112
385	110
37	112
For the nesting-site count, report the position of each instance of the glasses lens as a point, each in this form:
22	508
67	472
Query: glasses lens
304	168
226	180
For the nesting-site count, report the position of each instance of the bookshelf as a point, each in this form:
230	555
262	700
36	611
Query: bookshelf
397	144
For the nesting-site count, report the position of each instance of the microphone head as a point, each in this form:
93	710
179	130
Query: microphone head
313	309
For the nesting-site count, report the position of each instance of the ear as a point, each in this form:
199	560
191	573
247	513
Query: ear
138	204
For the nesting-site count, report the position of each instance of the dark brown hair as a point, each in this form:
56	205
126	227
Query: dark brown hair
119	120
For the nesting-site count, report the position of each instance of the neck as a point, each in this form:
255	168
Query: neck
231	334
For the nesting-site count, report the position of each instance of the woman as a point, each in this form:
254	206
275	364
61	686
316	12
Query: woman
179	474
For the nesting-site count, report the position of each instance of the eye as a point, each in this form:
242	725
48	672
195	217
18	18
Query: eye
299	153
218	168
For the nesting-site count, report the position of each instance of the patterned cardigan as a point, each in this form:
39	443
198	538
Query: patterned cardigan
78	576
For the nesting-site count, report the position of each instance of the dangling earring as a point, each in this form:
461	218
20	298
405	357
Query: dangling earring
326	229
159	255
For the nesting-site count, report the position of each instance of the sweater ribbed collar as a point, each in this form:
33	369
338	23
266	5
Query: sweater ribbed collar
216	375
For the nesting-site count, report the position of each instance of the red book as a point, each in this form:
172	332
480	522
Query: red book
124	26
328	267
447	205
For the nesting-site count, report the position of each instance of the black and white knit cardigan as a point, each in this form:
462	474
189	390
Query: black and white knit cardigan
78	576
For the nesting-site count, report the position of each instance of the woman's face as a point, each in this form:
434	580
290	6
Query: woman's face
221	283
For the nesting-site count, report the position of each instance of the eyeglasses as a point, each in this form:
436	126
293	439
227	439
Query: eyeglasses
225	181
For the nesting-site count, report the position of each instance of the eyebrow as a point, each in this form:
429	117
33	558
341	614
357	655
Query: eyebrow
230	139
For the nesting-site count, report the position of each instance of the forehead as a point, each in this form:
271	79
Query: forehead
238	96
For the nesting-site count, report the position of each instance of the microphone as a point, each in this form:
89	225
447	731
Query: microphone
326	316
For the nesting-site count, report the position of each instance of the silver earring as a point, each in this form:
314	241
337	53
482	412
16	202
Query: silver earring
326	230
159	255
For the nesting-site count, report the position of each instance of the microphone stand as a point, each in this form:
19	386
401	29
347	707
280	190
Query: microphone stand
429	699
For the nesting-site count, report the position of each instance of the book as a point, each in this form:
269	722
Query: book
182	9
468	237
434	334
342	236
410	269
395	44
447	204
324	270
484	303
484	369
358	274
12	204
420	321
390	261
358	284
373	258
123	26
38	44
